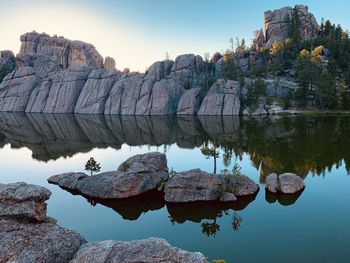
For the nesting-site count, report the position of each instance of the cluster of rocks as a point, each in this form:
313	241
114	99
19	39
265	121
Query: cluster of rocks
142	173
287	183
28	235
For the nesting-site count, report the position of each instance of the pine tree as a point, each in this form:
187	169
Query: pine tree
92	166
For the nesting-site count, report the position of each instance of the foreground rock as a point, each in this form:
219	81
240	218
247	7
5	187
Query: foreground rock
287	183
23	241
20	200
151	250
197	185
26	234
137	175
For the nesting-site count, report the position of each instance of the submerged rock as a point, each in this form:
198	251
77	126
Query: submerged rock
23	201
137	175
287	183
151	250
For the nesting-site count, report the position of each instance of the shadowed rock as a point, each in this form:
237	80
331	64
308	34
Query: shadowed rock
283	199
151	250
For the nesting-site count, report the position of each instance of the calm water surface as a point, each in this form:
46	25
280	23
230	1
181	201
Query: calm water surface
313	226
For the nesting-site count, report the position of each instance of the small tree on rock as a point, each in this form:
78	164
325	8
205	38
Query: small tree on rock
92	166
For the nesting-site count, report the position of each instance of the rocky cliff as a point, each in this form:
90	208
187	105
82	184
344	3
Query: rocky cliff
57	75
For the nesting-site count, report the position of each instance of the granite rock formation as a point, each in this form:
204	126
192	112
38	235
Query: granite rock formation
151	250
278	22
137	175
287	183
26	233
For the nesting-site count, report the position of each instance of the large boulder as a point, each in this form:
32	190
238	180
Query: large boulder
151	250
159	70
22	241
137	175
189	102
287	183
196	185
222	99
278	24
16	88
67	53
192	185
26	233
24	201
93	97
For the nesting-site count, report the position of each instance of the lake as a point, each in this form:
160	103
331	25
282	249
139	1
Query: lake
312	226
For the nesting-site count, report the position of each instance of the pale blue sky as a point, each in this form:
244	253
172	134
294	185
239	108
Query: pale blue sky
139	32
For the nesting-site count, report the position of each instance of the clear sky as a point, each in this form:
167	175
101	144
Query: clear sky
138	32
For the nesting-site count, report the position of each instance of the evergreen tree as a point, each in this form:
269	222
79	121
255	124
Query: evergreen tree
92	166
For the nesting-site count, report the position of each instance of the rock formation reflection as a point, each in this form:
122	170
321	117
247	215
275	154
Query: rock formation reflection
300	144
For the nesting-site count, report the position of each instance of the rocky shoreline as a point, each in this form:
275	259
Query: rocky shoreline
28	235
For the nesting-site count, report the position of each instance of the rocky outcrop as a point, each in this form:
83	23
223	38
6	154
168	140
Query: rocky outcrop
151	250
16	88
67	53
259	40
287	183
136	95
60	92
159	70
137	175
26	234
192	185
92	99
222	99
278	24
20	200
196	185
189	102
109	64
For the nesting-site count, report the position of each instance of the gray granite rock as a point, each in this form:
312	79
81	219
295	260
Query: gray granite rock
65	90
222	99
159	70
137	175
16	88
67	53
287	183
7	63
192	185
189	102
23	201
109	64
94	94
151	250
46	242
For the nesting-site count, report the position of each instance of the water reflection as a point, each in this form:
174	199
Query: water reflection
299	144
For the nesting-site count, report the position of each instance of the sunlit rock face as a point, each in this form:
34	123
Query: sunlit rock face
67	53
278	24
109	63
